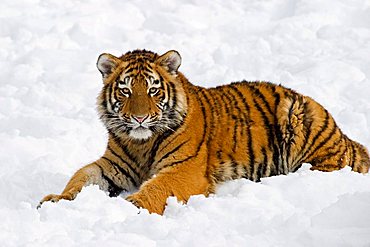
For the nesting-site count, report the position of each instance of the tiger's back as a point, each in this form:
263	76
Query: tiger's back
258	129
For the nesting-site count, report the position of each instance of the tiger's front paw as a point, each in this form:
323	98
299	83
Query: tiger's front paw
54	198
152	204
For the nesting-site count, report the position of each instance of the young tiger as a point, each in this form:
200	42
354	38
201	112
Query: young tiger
168	137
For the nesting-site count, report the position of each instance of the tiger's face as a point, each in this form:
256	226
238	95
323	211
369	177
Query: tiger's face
142	95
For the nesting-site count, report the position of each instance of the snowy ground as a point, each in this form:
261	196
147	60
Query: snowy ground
49	127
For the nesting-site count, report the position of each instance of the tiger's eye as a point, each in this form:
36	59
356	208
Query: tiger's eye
153	91
126	91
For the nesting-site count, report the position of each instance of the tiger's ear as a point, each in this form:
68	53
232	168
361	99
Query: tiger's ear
106	64
171	61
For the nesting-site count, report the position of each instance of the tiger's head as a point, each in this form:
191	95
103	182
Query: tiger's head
142	95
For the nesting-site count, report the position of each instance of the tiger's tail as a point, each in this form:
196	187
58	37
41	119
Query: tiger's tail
359	156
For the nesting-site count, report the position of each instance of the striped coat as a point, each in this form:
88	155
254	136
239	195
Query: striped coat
168	137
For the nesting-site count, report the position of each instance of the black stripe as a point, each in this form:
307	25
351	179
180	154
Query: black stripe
322	143
327	155
291	132
245	171
266	163
235	133
159	141
274	126
277	156
260	95
296	167
124	148
233	102
307	123
234	165
268	126
171	114
160	78
113	189
172	151
148	68
123	161
167	90
229	106
249	132
203	135
181	161
218	154
123	171
108	96
127	66
226	104
262	167
167	144
217	106
173	91
318	134
219	174
342	139
129	70
353	154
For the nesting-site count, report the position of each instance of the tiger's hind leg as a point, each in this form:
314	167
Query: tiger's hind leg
331	156
343	152
309	134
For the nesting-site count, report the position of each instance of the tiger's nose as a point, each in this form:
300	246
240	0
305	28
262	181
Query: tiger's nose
140	119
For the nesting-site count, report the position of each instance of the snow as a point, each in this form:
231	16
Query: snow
49	126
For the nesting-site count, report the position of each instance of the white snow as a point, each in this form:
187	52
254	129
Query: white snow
49	126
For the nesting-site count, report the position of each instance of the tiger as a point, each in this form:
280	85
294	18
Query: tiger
168	137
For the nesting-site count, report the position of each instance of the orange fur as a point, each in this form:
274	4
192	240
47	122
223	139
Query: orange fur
168	137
